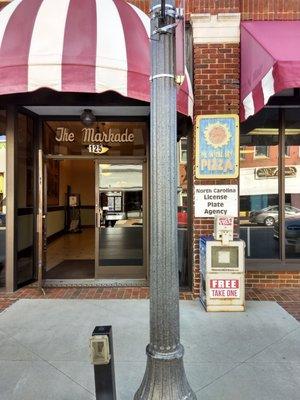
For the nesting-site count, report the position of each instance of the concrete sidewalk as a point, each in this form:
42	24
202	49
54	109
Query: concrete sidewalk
239	356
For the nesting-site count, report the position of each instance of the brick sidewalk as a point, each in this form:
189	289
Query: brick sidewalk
6	299
289	299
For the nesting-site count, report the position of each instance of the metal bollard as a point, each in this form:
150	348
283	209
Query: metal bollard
102	356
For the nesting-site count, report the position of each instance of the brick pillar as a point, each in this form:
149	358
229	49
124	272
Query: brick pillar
216	90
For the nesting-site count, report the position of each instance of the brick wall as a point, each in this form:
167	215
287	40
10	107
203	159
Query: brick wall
216	78
198	6
269	279
250	9
216	6
270	9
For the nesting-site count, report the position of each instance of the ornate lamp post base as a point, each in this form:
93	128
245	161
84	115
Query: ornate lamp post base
165	377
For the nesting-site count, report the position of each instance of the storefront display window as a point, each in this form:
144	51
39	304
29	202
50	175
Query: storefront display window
25	198
292	184
2	195
182	211
270	186
259	200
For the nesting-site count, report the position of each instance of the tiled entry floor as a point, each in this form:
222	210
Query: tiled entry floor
72	246
118	247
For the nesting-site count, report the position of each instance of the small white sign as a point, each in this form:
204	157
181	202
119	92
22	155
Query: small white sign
214	200
73	201
223	227
224	288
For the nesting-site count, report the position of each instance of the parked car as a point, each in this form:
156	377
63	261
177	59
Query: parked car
269	215
182	216
2	215
292	233
2	219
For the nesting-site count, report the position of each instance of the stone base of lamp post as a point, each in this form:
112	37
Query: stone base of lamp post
165	377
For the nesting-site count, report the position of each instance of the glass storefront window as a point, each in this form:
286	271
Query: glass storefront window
182	211
259	188
25	193
292	184
261	203
2	195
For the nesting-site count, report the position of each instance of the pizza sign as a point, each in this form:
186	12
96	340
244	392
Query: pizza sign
217	146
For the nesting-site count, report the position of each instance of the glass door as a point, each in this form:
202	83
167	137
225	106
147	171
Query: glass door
120	221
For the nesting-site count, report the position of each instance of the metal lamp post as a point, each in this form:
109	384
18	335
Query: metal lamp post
165	376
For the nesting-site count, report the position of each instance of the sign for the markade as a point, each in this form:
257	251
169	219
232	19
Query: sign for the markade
217	146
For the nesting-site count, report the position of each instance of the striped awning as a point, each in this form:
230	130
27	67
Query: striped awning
89	46
270	62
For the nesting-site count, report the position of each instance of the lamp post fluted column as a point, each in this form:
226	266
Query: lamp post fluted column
165	377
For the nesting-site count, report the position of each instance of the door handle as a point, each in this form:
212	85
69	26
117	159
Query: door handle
97	220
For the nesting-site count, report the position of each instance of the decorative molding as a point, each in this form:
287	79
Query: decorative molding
218	28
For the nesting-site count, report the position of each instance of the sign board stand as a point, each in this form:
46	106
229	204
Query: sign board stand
222	268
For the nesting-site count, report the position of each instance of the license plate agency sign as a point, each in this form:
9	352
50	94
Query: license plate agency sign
214	200
217	146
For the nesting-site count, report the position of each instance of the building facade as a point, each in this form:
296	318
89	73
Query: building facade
112	193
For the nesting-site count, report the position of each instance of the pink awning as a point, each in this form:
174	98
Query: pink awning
87	46
270	62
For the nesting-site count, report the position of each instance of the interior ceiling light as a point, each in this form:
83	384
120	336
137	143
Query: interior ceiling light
87	117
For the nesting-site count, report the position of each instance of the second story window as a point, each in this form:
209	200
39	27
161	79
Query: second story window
183	151
261	152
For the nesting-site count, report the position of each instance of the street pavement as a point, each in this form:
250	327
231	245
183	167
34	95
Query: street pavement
44	353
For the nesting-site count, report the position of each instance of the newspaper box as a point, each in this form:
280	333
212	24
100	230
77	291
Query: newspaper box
222	268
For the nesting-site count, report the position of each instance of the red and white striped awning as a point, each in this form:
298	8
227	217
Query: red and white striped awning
270	62
89	46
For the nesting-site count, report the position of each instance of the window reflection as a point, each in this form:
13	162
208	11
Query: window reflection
292	184
121	216
2	195
25	180
259	198
182	211
259	182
